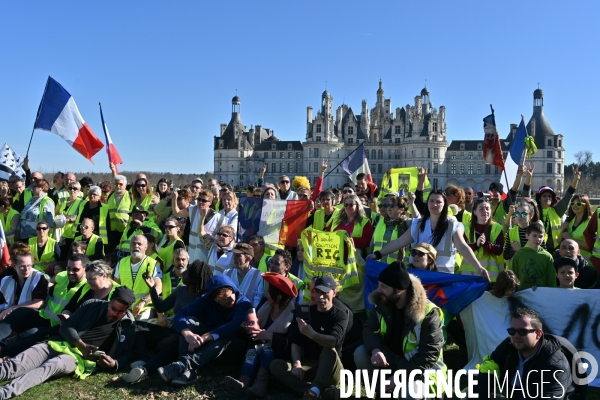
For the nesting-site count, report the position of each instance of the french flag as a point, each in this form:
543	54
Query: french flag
517	148
357	162
58	114
280	222
111	150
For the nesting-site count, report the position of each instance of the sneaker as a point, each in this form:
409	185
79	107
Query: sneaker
186	378
136	374
171	371
310	395
137	364
331	393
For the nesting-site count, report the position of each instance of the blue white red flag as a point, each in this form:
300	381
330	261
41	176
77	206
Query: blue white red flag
357	163
492	150
517	149
448	291
280	222
59	114
111	150
4	256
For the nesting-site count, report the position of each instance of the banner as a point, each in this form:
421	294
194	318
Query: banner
280	222
10	163
406	179
448	291
577	319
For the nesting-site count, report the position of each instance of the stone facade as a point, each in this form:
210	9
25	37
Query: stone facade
413	135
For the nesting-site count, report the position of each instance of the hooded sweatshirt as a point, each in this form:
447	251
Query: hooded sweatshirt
534	268
224	322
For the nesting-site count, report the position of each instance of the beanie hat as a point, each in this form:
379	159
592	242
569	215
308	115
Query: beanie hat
396	276
124	295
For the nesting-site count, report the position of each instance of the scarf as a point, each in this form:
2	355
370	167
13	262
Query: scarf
282	323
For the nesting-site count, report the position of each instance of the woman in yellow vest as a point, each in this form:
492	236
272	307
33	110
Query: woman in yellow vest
322	218
524	213
98	275
552	209
70	209
390	227
578	217
170	242
9	218
45	249
143	197
485	237
39	208
353	220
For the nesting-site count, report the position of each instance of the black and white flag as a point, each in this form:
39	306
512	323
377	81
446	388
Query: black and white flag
10	163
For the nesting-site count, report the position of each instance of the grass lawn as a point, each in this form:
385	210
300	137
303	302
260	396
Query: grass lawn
109	387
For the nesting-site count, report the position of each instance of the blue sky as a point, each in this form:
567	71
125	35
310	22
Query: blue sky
165	72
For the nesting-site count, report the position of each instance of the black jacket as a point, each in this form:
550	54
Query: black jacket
84	319
549	358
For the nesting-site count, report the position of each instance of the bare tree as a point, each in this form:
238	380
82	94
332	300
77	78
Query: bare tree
584	158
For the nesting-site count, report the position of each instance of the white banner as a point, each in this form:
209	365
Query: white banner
573	314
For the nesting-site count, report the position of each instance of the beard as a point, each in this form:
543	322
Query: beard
390	302
137	254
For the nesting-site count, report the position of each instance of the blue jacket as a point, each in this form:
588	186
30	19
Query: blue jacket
224	322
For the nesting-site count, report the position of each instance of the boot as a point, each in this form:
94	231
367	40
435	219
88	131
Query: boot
261	383
235	386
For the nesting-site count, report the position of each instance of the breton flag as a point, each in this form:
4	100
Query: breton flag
517	148
10	163
59	114
280	222
492	151
451	292
111	150
357	162
4	256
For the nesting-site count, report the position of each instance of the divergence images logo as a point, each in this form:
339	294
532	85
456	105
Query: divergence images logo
579	366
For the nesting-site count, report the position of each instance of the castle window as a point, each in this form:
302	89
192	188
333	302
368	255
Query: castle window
397	140
470	155
558	154
380	154
434	127
435	168
281	167
462	169
488	169
318	138
549	142
298	155
549	168
290	155
453	169
558	171
470	169
453	156
282	154
297	167
429	152
373	154
350	140
549	154
266	154
290	167
436	153
241	154
350	130
478	169
273	167
316	166
316	153
318	128
435	183
397	130
274	155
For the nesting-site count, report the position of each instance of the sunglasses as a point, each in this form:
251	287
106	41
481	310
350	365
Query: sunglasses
384	205
416	253
223	234
73	188
140	185
258	196
349	205
41	228
348	191
169	227
284	182
84	226
203	201
520	331
578	203
521	214
118	184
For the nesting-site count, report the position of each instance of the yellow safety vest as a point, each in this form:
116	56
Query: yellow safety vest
555	222
84	367
27	194
319	219
145	204
577	234
410	343
263	263
493	264
139	287
102	229
74	210
47	254
91	247
344	272
7	223
119	214
596	250
391	182
61	295
357	230
379	241
125	243
166	253
499	213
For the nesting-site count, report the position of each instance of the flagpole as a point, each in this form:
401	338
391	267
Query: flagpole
340	163
30	139
105	136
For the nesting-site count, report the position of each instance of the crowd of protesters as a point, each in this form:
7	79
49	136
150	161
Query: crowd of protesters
146	280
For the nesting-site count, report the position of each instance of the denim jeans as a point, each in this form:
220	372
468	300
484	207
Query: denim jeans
260	356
